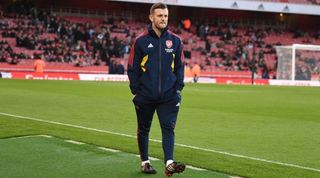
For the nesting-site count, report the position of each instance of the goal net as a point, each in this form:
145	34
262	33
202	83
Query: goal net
298	62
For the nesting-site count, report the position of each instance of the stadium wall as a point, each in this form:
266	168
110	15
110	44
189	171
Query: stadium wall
124	78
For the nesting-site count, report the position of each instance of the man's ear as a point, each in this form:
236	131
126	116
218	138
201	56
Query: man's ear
151	17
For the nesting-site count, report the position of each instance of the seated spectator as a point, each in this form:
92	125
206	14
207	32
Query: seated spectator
119	67
13	60
112	67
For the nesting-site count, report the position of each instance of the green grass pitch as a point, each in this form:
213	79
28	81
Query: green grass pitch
52	157
250	131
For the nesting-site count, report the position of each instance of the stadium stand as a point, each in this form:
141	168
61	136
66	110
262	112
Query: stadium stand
92	45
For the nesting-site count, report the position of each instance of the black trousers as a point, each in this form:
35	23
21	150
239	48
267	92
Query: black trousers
167	111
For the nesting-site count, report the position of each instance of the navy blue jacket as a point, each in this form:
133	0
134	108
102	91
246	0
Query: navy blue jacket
155	66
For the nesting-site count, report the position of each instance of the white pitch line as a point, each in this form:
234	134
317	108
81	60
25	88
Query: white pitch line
109	149
46	136
75	142
150	158
195	168
177	144
30	136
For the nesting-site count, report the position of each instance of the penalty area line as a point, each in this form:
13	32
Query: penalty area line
159	141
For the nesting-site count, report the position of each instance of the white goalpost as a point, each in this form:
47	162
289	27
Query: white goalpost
298	62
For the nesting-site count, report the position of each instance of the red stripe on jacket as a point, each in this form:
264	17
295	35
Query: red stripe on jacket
130	62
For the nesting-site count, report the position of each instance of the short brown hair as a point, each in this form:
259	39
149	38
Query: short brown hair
158	5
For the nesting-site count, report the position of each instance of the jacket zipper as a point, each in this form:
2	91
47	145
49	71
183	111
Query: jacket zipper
160	67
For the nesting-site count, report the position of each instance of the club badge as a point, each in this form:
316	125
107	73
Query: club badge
169	43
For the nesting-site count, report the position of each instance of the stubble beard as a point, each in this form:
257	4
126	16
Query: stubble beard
160	28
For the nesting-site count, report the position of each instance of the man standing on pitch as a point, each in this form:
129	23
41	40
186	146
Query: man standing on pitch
156	73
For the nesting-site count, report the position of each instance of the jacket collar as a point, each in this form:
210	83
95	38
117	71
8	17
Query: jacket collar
153	33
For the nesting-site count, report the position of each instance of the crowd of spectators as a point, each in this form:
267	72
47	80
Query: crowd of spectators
8	55
85	43
306	66
62	40
242	47
232	47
